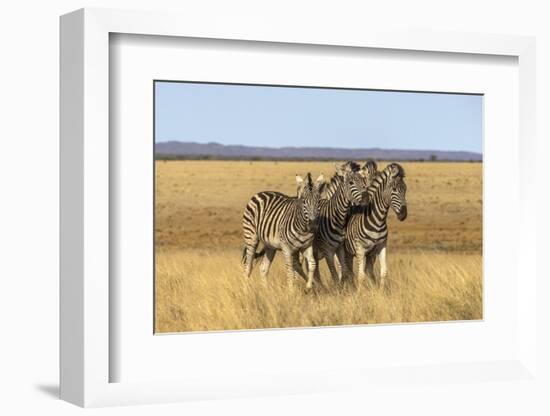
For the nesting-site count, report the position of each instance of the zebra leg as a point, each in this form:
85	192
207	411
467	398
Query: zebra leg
311	266
318	256
383	267
298	266
266	261
290	260
360	256
338	266
317	273
346	263
248	257
371	258
336	274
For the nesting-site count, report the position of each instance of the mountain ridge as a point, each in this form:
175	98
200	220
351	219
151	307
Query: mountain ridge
213	150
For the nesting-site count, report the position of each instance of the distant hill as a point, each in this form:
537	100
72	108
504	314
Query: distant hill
192	150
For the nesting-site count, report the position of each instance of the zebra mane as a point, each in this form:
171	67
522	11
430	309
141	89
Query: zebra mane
381	179
335	178
330	188
370	164
351	166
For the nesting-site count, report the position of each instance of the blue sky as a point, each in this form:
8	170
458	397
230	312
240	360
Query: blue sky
279	116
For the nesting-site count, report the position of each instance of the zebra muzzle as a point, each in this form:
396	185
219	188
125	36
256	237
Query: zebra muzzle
402	214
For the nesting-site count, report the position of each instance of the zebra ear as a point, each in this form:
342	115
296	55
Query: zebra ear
300	183
340	169
320	181
321	184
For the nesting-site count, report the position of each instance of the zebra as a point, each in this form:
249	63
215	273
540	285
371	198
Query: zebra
366	231
282	222
332	224
346	189
369	171
334	182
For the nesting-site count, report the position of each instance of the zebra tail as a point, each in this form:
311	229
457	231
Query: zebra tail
257	255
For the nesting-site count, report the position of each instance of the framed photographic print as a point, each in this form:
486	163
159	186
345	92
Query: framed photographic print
261	211
220	204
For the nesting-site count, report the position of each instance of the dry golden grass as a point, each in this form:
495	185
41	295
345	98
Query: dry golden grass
198	291
434	256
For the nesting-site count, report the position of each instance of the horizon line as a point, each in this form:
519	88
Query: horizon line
319	147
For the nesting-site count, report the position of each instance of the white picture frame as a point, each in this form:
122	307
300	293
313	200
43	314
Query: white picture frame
86	356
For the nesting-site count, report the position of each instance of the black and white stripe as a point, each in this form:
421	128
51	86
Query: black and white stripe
334	183
366	231
285	223
346	188
368	171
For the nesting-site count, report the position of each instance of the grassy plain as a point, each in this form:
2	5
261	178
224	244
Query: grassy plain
435	261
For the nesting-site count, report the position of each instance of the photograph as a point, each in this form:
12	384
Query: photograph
283	206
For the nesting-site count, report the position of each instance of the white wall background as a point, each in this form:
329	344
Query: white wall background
29	205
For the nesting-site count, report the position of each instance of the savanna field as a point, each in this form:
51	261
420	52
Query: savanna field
434	256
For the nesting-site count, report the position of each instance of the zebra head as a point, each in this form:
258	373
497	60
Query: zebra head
309	195
353	183
369	171
397	190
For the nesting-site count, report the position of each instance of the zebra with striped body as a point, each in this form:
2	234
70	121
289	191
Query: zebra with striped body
370	171
334	261
346	188
285	223
366	231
